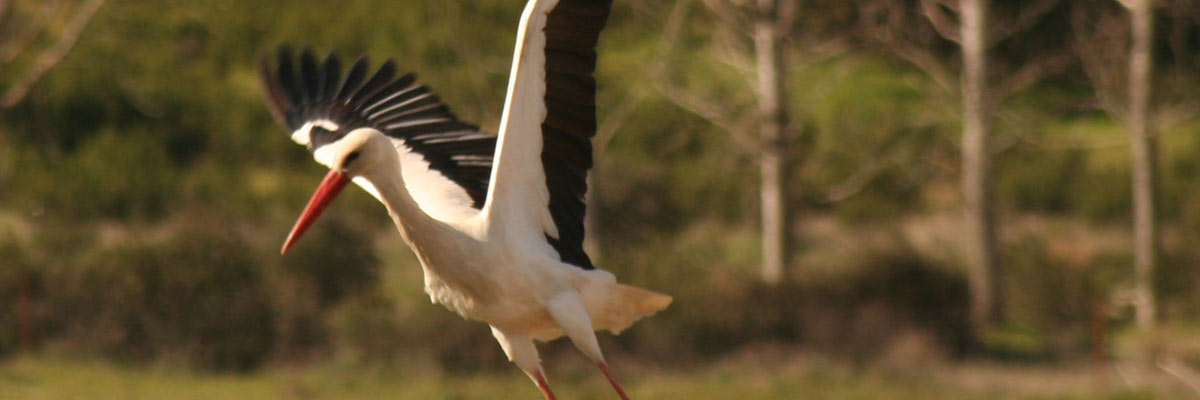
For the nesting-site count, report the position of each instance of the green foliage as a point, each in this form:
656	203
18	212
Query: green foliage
770	373
1040	181
855	310
1056	297
149	190
16	288
199	299
334	263
198	295
870	153
111	175
361	324
337	261
1106	195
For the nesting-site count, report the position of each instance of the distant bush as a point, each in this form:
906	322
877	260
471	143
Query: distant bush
198	298
857	312
194	289
369	329
112	175
1105	195
372	329
888	194
890	293
1051	299
334	262
17	281
1176	282
337	259
1040	180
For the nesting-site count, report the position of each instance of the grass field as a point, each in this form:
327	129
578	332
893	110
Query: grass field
741	378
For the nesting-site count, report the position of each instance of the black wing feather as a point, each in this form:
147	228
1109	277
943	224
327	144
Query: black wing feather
398	107
378	82
355	78
331	71
572	31
308	74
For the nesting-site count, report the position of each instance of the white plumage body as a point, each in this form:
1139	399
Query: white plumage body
505	248
481	273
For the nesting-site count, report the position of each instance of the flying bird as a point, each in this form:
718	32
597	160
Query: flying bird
496	220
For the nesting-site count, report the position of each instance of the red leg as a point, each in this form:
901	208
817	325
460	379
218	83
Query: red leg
613	381
545	387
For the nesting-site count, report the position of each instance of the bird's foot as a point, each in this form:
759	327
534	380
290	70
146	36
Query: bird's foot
613	381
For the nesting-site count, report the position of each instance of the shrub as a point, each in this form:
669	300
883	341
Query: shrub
368	329
334	263
338	260
1040	180
112	175
17	281
892	292
197	297
1051	297
857	311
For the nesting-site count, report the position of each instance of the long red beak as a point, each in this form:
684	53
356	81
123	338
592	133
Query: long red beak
333	184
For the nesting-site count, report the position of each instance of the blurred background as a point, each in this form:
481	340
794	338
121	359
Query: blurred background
847	199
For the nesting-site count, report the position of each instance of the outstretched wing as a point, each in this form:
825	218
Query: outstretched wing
545	149
443	158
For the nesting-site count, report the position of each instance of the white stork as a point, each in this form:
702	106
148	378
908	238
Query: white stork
496	221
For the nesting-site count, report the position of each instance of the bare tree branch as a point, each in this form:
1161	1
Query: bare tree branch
17	44
1180	371
52	56
787	16
713	113
1030	74
1096	32
858	180
879	20
734	57
1171	115
666	46
937	16
820	50
927	62
730	52
1028	16
730	12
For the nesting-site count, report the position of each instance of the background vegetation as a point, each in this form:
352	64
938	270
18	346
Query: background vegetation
145	189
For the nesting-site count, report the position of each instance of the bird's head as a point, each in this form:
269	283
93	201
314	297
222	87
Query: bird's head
348	155
354	153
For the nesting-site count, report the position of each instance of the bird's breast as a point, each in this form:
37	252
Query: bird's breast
497	291
454	278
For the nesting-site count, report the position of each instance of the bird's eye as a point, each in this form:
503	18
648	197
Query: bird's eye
349	158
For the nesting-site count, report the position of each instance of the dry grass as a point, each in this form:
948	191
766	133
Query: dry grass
763	373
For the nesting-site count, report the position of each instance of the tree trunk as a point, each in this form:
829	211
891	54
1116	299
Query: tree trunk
773	123
1143	146
985	277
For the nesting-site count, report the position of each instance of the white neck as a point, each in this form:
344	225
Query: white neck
386	182
438	244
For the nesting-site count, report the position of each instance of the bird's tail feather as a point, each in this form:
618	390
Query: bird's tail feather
626	305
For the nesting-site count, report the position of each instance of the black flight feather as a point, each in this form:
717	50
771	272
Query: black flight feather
460	152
